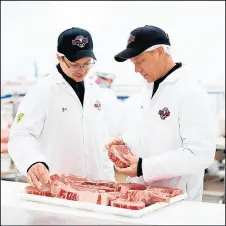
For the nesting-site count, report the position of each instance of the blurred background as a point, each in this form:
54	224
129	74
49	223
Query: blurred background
29	32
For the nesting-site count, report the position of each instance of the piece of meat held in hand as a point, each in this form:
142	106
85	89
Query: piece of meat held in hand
116	153
123	203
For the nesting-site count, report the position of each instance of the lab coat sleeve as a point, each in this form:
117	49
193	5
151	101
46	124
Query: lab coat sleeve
198	133
23	145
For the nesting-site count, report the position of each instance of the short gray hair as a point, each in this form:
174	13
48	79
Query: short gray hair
166	48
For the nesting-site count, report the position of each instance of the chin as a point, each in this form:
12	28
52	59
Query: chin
79	79
149	80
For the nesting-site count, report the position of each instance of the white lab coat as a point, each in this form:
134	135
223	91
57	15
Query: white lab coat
56	129
177	150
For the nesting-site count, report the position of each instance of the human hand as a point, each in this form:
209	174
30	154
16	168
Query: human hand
38	175
130	171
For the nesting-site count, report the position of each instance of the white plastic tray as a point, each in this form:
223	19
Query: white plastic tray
101	208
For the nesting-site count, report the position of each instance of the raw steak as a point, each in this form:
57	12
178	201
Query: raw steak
56	177
98	183
107	189
88	195
73	178
35	191
124	187
171	192
54	189
146	196
107	198
63	191
68	179
123	203
116	153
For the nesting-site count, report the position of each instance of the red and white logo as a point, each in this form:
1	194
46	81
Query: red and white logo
131	39
80	41
97	105
164	113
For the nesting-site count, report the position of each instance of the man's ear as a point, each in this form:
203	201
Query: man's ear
160	51
58	57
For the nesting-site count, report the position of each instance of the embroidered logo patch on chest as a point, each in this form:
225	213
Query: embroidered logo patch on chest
164	113
97	105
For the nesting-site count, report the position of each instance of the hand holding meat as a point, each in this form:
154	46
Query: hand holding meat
38	175
130	171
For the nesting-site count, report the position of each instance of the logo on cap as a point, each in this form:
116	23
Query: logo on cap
80	41
131	39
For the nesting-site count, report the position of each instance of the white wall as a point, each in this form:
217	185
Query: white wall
29	32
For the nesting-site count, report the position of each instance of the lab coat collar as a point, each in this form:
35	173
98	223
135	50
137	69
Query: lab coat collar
174	76
58	78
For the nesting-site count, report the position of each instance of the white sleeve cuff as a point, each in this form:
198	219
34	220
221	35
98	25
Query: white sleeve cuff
146	166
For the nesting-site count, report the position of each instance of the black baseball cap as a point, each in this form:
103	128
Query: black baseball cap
141	39
75	43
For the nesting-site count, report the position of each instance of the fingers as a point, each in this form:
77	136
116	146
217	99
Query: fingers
43	173
35	180
29	179
107	146
123	170
118	141
132	159
47	175
38	175
115	141
129	157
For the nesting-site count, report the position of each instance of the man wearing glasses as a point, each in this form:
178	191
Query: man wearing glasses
63	122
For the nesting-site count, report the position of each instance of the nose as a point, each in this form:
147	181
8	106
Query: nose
138	69
81	69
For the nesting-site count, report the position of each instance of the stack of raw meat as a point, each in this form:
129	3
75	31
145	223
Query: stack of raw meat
123	195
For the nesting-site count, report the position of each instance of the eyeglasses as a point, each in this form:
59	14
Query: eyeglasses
77	67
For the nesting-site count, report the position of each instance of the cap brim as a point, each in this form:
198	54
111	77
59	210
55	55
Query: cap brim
81	54
127	54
